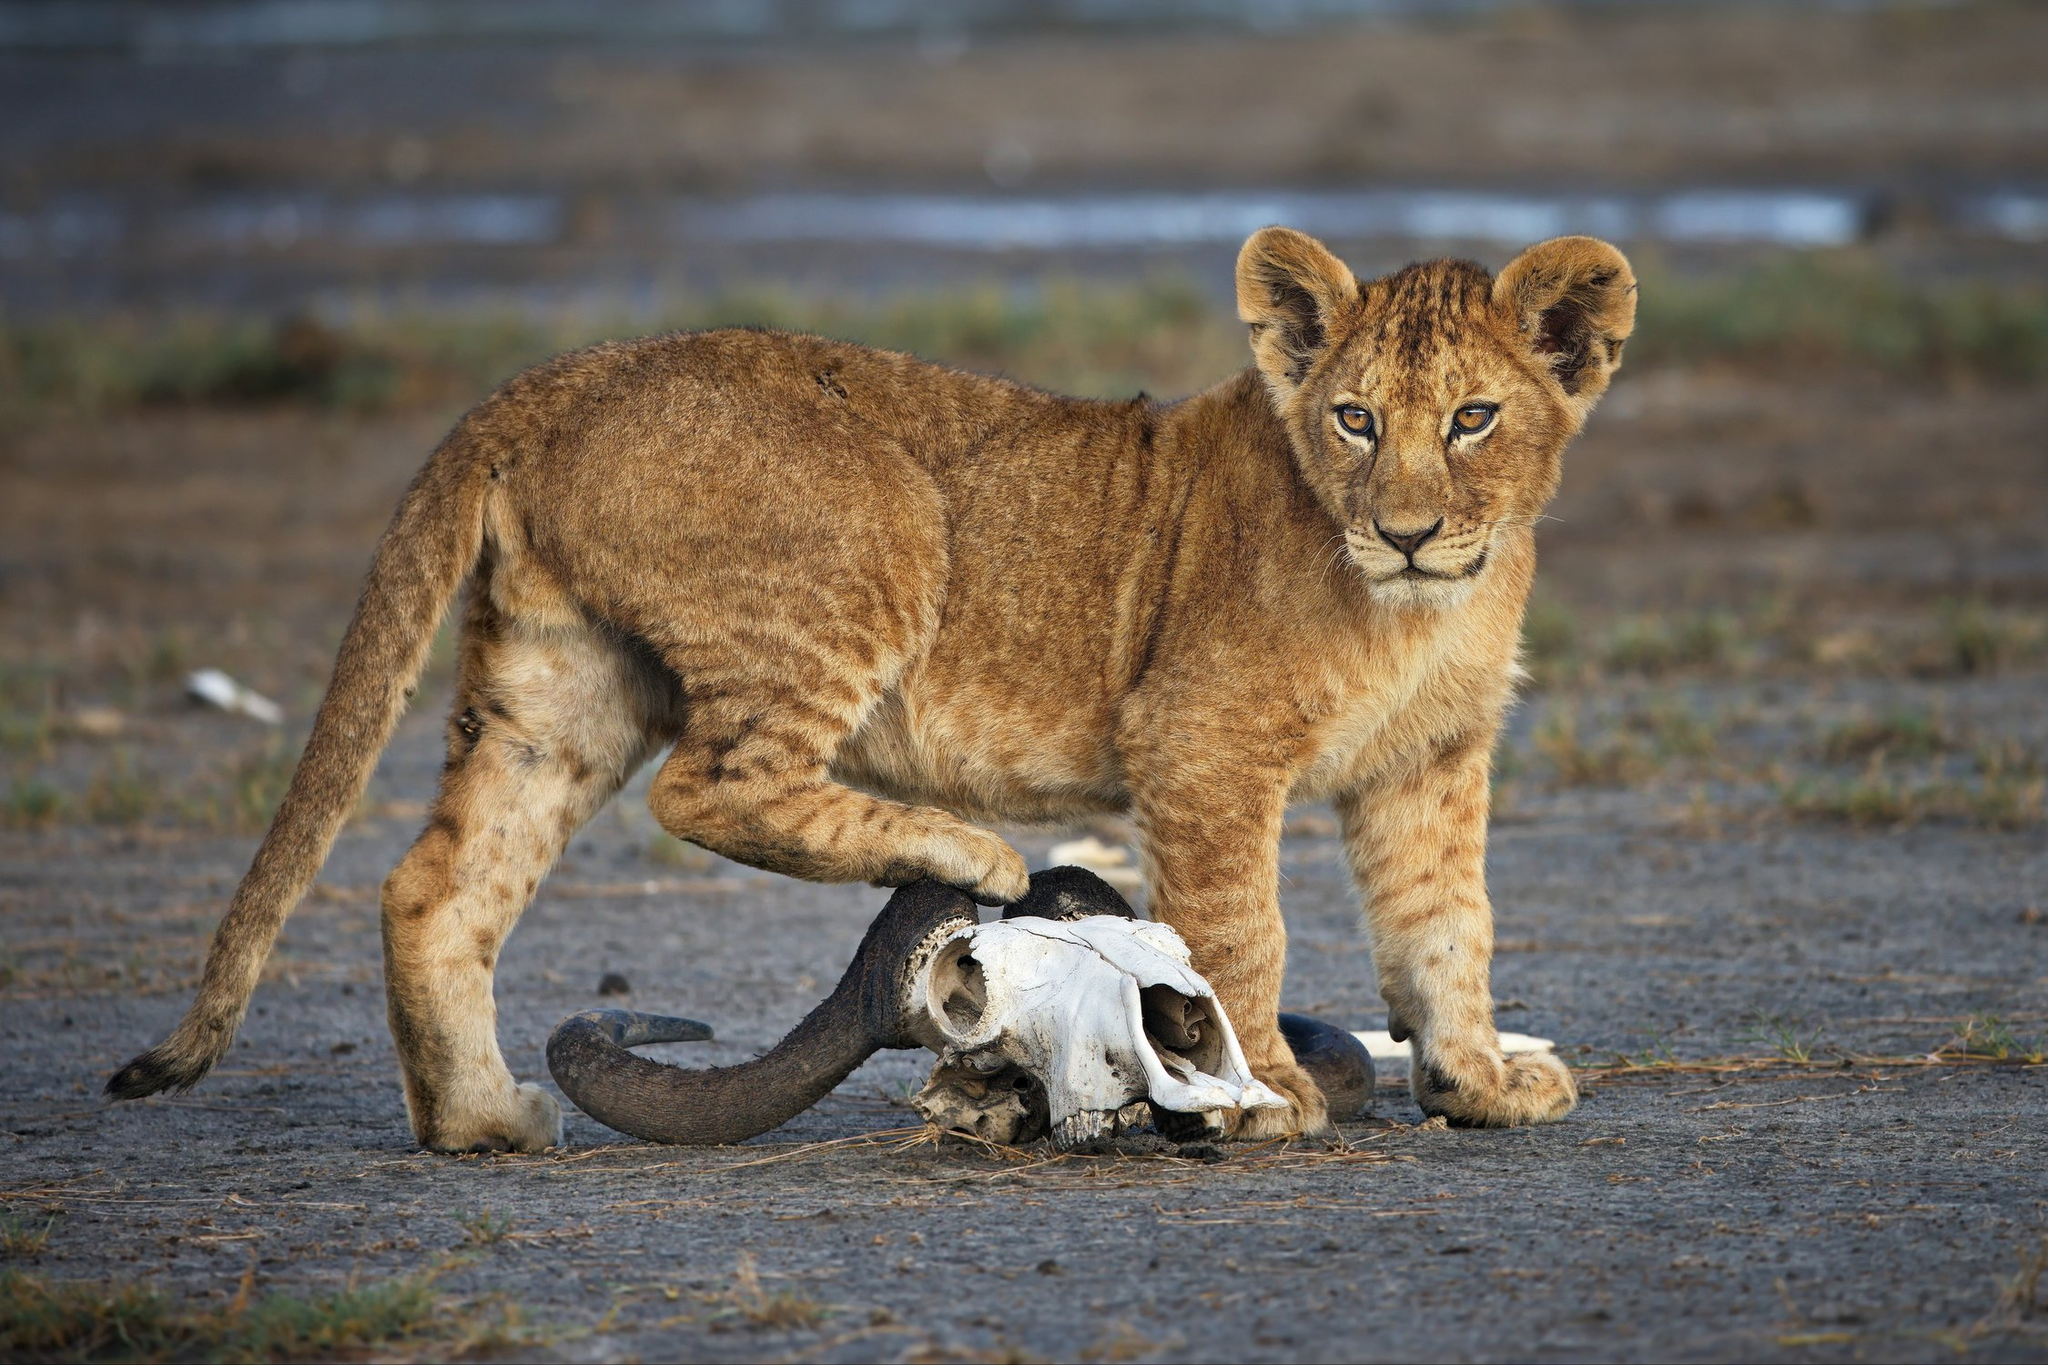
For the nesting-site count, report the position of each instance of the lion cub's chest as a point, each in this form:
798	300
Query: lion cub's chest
1402	698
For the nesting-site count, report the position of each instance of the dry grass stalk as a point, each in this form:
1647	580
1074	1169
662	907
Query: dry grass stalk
781	1310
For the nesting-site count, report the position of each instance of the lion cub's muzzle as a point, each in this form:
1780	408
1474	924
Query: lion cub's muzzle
1419	559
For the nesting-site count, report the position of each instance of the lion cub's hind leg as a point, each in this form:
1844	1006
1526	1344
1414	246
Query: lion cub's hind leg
549	722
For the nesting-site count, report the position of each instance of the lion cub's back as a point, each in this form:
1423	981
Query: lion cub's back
651	482
784	397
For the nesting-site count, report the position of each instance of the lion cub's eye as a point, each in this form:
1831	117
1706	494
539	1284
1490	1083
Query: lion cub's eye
1473	418
1355	420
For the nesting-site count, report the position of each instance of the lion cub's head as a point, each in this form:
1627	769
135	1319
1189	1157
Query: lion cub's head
1429	409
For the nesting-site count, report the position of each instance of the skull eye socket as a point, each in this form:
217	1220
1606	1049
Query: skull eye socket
1355	420
1472	419
959	987
1180	1029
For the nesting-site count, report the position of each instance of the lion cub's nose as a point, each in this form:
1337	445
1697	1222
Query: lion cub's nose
1408	542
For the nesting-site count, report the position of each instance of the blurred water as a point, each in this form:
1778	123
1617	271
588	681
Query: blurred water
86	227
1795	218
2010	215
198	26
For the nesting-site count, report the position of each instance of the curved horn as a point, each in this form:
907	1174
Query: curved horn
1336	1061
1069	893
648	1099
630	1028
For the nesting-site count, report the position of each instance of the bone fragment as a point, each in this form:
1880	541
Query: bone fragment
1383	1048
215	688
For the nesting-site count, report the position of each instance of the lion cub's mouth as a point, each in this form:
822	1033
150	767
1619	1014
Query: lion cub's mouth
1415	573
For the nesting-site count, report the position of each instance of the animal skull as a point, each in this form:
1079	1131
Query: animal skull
1068	1019
1074	1027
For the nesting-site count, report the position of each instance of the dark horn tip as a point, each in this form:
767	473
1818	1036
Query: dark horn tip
631	1028
1069	893
1336	1061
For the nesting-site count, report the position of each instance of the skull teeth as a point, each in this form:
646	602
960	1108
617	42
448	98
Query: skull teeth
1081	1129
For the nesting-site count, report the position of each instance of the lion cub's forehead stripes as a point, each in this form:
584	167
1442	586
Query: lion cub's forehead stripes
1410	319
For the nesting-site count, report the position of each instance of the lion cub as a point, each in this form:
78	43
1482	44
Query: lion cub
862	600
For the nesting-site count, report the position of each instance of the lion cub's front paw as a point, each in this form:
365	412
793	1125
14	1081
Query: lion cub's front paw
532	1123
1306	1115
983	865
1489	1091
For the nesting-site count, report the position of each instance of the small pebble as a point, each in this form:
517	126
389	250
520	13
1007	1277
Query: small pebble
614	984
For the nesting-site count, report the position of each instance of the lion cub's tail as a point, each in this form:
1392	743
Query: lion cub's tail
432	543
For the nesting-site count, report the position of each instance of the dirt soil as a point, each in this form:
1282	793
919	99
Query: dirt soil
1714	1198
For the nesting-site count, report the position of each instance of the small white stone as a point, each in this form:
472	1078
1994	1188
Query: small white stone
1383	1048
215	688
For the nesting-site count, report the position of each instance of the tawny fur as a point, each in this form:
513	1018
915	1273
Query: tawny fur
864	599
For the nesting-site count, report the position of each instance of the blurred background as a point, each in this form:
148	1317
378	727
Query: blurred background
256	255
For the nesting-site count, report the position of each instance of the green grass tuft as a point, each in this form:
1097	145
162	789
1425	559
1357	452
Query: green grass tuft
1987	1035
2001	799
72	1320
1785	1037
122	793
665	850
1675	729
485	1228
1611	761
31	803
1973	639
1843	308
256	784
1660	644
1896	734
24	1237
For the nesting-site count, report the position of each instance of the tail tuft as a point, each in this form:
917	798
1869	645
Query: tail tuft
180	1061
163	1067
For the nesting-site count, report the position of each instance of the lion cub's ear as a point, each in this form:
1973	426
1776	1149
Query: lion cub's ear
1291	290
1574	299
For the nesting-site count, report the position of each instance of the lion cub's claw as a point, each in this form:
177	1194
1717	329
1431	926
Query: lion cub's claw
1508	1093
